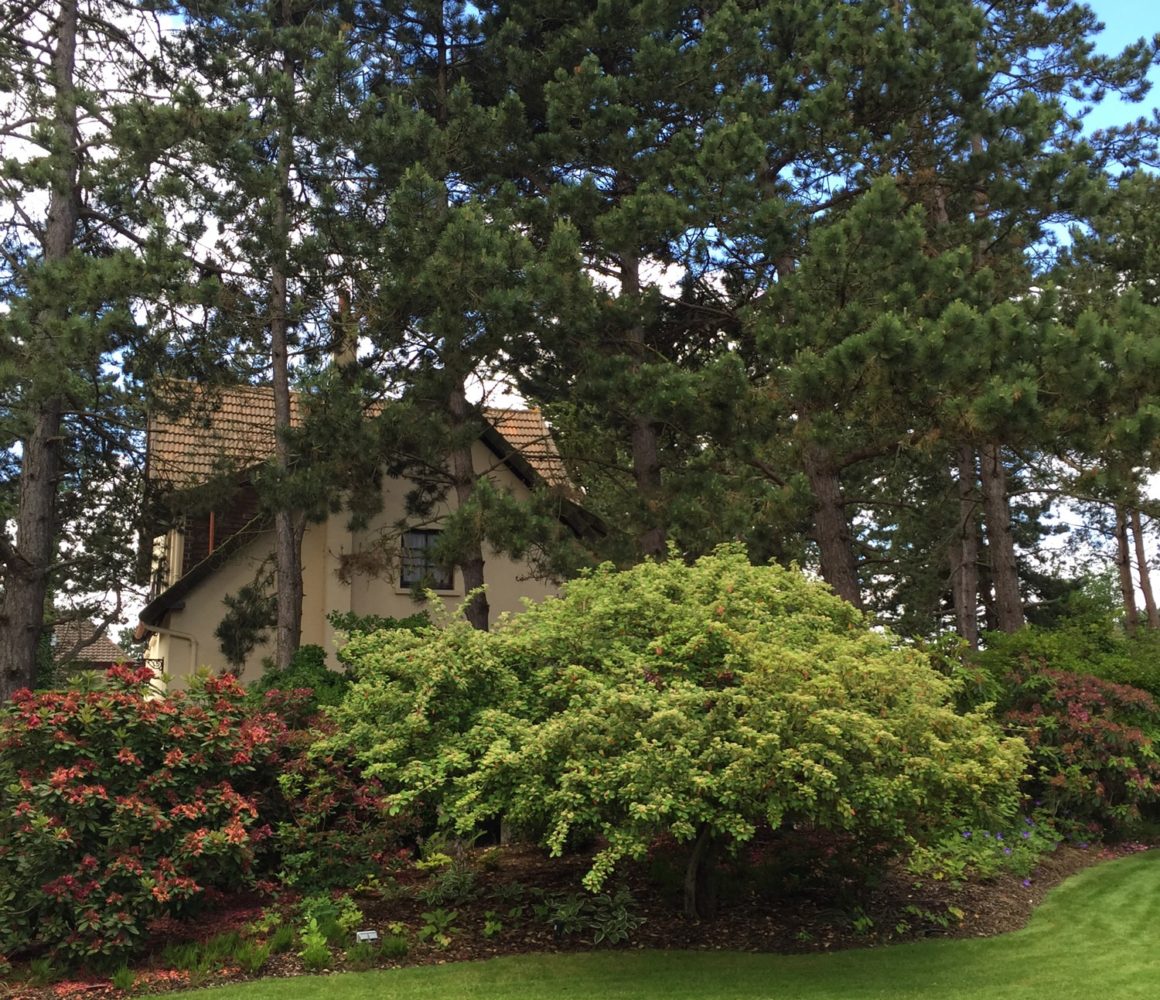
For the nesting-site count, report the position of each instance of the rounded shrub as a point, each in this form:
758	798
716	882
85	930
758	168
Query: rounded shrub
698	701
1094	764
118	805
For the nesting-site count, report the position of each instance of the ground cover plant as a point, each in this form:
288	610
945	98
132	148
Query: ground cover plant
777	896
700	702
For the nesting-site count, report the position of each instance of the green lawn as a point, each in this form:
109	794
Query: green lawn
1097	937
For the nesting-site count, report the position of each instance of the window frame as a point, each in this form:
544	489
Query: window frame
417	569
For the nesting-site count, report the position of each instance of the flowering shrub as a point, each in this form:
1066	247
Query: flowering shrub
118	806
1094	760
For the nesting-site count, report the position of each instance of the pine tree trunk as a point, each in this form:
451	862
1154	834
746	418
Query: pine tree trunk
1124	569
964	552
289	523
646	465
463	479
27	570
1143	572
1000	541
832	529
28	565
700	888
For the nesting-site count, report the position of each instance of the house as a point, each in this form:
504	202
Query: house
82	645
223	544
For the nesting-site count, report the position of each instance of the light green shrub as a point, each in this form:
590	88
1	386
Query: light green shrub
700	701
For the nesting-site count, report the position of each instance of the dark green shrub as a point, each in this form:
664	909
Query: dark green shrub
1090	644
299	691
338	827
351	623
308	683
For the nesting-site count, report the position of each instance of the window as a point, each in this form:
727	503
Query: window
419	567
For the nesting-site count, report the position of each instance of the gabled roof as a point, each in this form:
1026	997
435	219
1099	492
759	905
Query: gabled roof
216	431
225	430
529	436
81	643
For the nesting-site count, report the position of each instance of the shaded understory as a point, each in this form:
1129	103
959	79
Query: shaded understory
507	902
1093	937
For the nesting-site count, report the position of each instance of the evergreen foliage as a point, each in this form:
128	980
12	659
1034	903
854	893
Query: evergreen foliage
779	272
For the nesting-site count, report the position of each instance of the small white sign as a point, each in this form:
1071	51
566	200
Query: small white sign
366	935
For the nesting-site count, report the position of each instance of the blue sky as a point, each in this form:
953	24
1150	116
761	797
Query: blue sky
1124	22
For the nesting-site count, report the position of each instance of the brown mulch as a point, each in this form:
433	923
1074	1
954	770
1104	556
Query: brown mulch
827	915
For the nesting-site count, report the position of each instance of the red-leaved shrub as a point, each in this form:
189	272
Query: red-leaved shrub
119	805
1094	761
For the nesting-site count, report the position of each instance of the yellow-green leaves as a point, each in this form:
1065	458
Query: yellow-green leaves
672	698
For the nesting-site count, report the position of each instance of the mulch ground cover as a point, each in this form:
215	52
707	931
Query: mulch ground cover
759	908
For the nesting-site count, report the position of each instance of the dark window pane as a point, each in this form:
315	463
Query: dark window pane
418	567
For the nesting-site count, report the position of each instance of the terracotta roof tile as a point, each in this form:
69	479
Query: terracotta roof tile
219	431
527	433
68	635
231	429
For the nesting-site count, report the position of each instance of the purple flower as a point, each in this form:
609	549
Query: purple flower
966	835
1006	850
1027	883
1026	835
998	836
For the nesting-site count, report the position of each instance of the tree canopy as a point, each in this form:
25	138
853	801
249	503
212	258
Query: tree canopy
781	273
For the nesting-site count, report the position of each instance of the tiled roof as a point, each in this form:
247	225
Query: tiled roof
528	434
216	431
231	429
68	636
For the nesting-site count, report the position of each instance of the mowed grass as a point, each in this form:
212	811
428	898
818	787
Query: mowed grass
1097	937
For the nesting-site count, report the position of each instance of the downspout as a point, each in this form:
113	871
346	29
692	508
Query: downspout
185	636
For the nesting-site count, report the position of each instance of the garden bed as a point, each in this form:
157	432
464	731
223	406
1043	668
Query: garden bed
512	900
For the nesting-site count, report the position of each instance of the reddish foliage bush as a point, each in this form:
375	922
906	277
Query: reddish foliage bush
119	806
1094	760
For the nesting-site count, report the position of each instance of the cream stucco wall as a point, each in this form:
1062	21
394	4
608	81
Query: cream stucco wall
186	636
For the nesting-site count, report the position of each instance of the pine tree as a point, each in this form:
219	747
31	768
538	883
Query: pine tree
276	89
963	109
85	250
451	285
